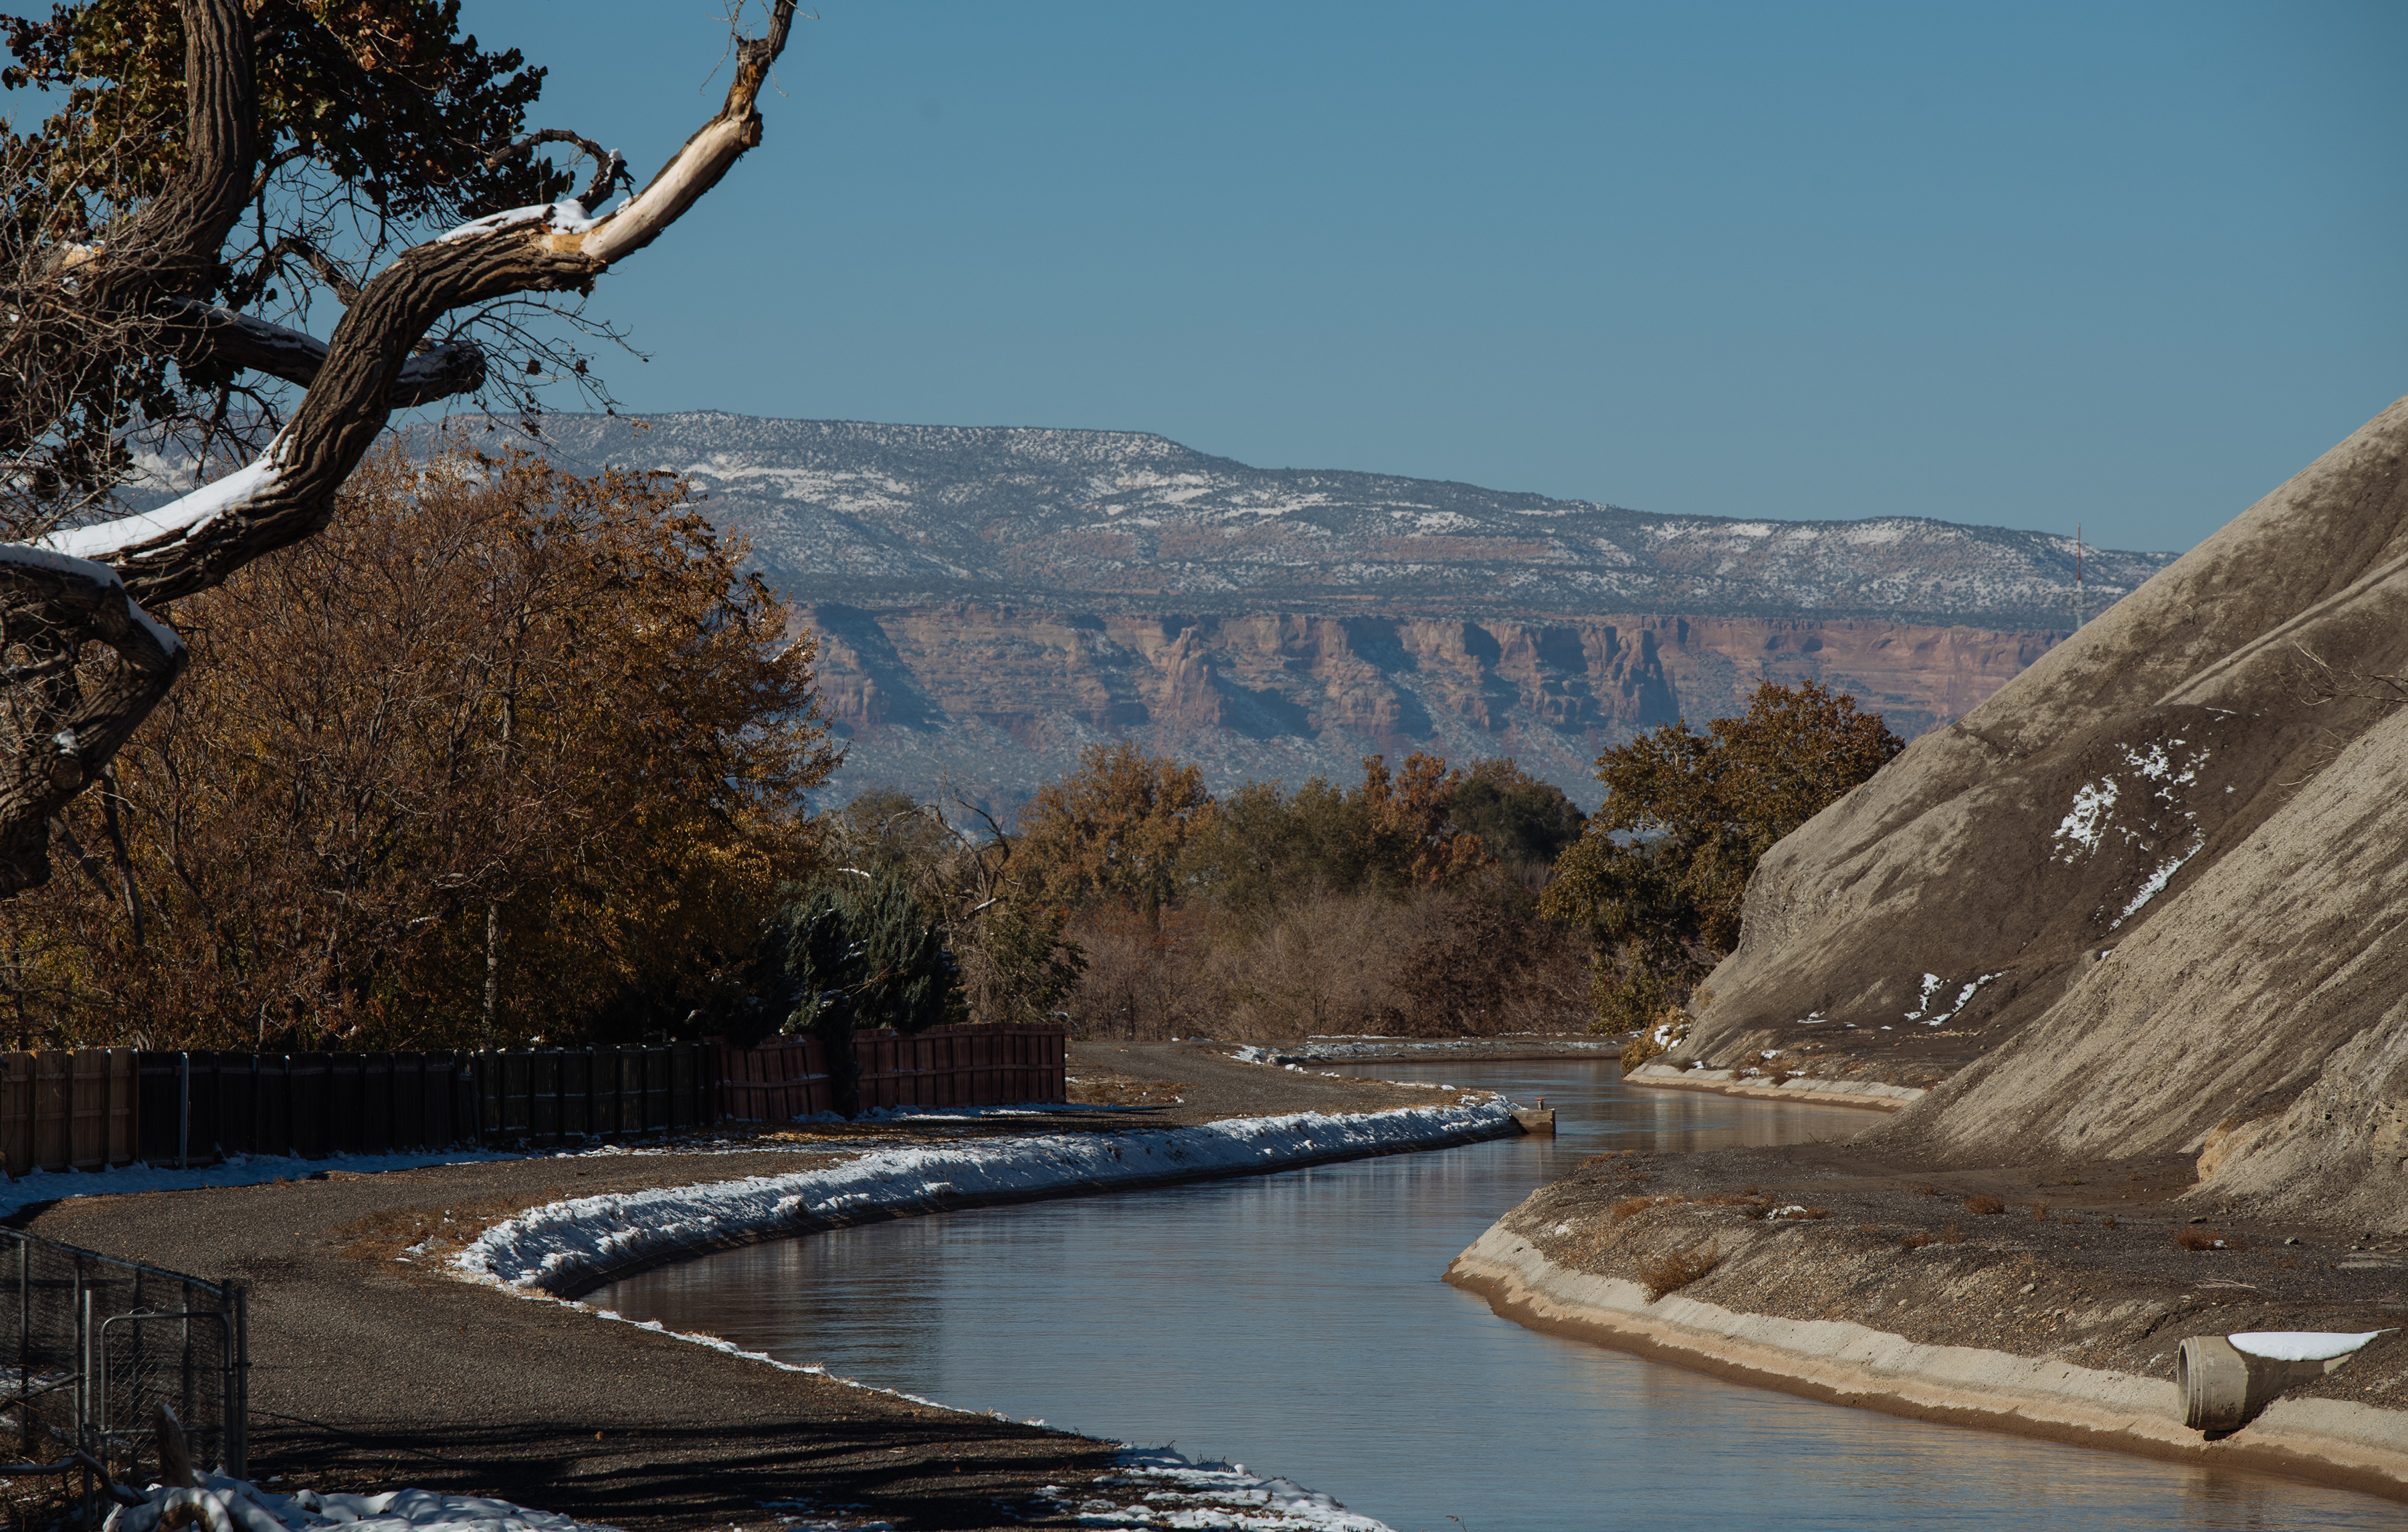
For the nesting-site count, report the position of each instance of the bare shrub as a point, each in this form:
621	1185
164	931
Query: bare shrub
1798	1212
1669	1273
1141	982
1321	963
2039	1210
2198	1239
1917	1240
1952	1235
1631	1205
1985	1204
1480	962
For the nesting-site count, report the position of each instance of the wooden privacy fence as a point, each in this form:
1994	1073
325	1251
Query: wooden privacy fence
554	1095
195	1107
95	1107
68	1110
787	1078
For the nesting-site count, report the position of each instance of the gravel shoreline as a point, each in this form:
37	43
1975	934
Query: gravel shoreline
372	1368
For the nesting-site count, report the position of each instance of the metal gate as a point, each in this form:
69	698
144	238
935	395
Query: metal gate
99	1344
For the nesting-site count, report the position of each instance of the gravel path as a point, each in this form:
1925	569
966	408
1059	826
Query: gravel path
369	1373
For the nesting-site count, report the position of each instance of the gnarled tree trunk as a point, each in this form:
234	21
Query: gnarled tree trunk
81	663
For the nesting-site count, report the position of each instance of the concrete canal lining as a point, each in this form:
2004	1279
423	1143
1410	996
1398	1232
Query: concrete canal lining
2333	1441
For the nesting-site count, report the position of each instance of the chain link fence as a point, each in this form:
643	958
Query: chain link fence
95	1347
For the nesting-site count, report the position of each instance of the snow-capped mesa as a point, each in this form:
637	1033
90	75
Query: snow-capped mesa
869	514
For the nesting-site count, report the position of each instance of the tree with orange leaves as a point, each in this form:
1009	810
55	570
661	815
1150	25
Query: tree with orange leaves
504	753
1114	830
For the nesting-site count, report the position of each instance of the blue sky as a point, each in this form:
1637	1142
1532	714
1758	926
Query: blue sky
2126	265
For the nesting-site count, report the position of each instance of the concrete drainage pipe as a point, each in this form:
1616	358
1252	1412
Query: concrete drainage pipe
2226	1380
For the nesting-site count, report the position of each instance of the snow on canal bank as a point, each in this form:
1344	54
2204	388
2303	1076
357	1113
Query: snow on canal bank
233	1505
563	1245
1155	1488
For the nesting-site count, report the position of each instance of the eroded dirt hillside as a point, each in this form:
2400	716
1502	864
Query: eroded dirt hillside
2149	897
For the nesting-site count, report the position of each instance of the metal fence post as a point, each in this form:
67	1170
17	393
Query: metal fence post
237	1421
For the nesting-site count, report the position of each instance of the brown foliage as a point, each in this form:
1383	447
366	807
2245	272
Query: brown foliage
1112	832
497	726
1662	908
1674	1271
1628	1206
1985	1204
2199	1238
1436	962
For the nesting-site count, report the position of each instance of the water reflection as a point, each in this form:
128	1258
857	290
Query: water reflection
1296	1323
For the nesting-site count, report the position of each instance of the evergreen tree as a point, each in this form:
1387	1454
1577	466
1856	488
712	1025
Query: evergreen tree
857	954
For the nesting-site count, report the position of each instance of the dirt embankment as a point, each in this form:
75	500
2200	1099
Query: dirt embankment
372	1368
2146	895
2046	1299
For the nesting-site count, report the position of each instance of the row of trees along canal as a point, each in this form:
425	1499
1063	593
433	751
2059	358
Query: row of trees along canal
369	751
511	756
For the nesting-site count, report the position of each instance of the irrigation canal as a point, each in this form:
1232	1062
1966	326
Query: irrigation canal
1296	1323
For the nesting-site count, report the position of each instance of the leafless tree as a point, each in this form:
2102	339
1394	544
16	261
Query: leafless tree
84	652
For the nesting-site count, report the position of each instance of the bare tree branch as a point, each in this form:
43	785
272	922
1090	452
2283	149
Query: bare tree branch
203	334
85	586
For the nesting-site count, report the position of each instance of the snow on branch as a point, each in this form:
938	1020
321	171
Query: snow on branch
94	587
570	229
180	520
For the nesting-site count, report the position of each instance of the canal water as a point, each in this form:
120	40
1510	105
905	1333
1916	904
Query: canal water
1296	1323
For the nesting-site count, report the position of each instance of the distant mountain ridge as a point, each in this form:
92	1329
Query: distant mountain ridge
988	601
1107	521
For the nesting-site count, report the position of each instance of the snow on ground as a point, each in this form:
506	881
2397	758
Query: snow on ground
236	1171
2300	1345
1392	1049
553	1247
1155	1488
232	1505
1158	1487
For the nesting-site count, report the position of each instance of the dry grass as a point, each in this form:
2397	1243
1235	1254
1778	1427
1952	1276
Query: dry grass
2198	1238
1097	1086
1952	1235
1917	1240
2110	1223
384	1235
1926	1189
2287	1262
1985	1204
2039	1210
1872	1229
1631	1205
1669	1273
1805	1212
